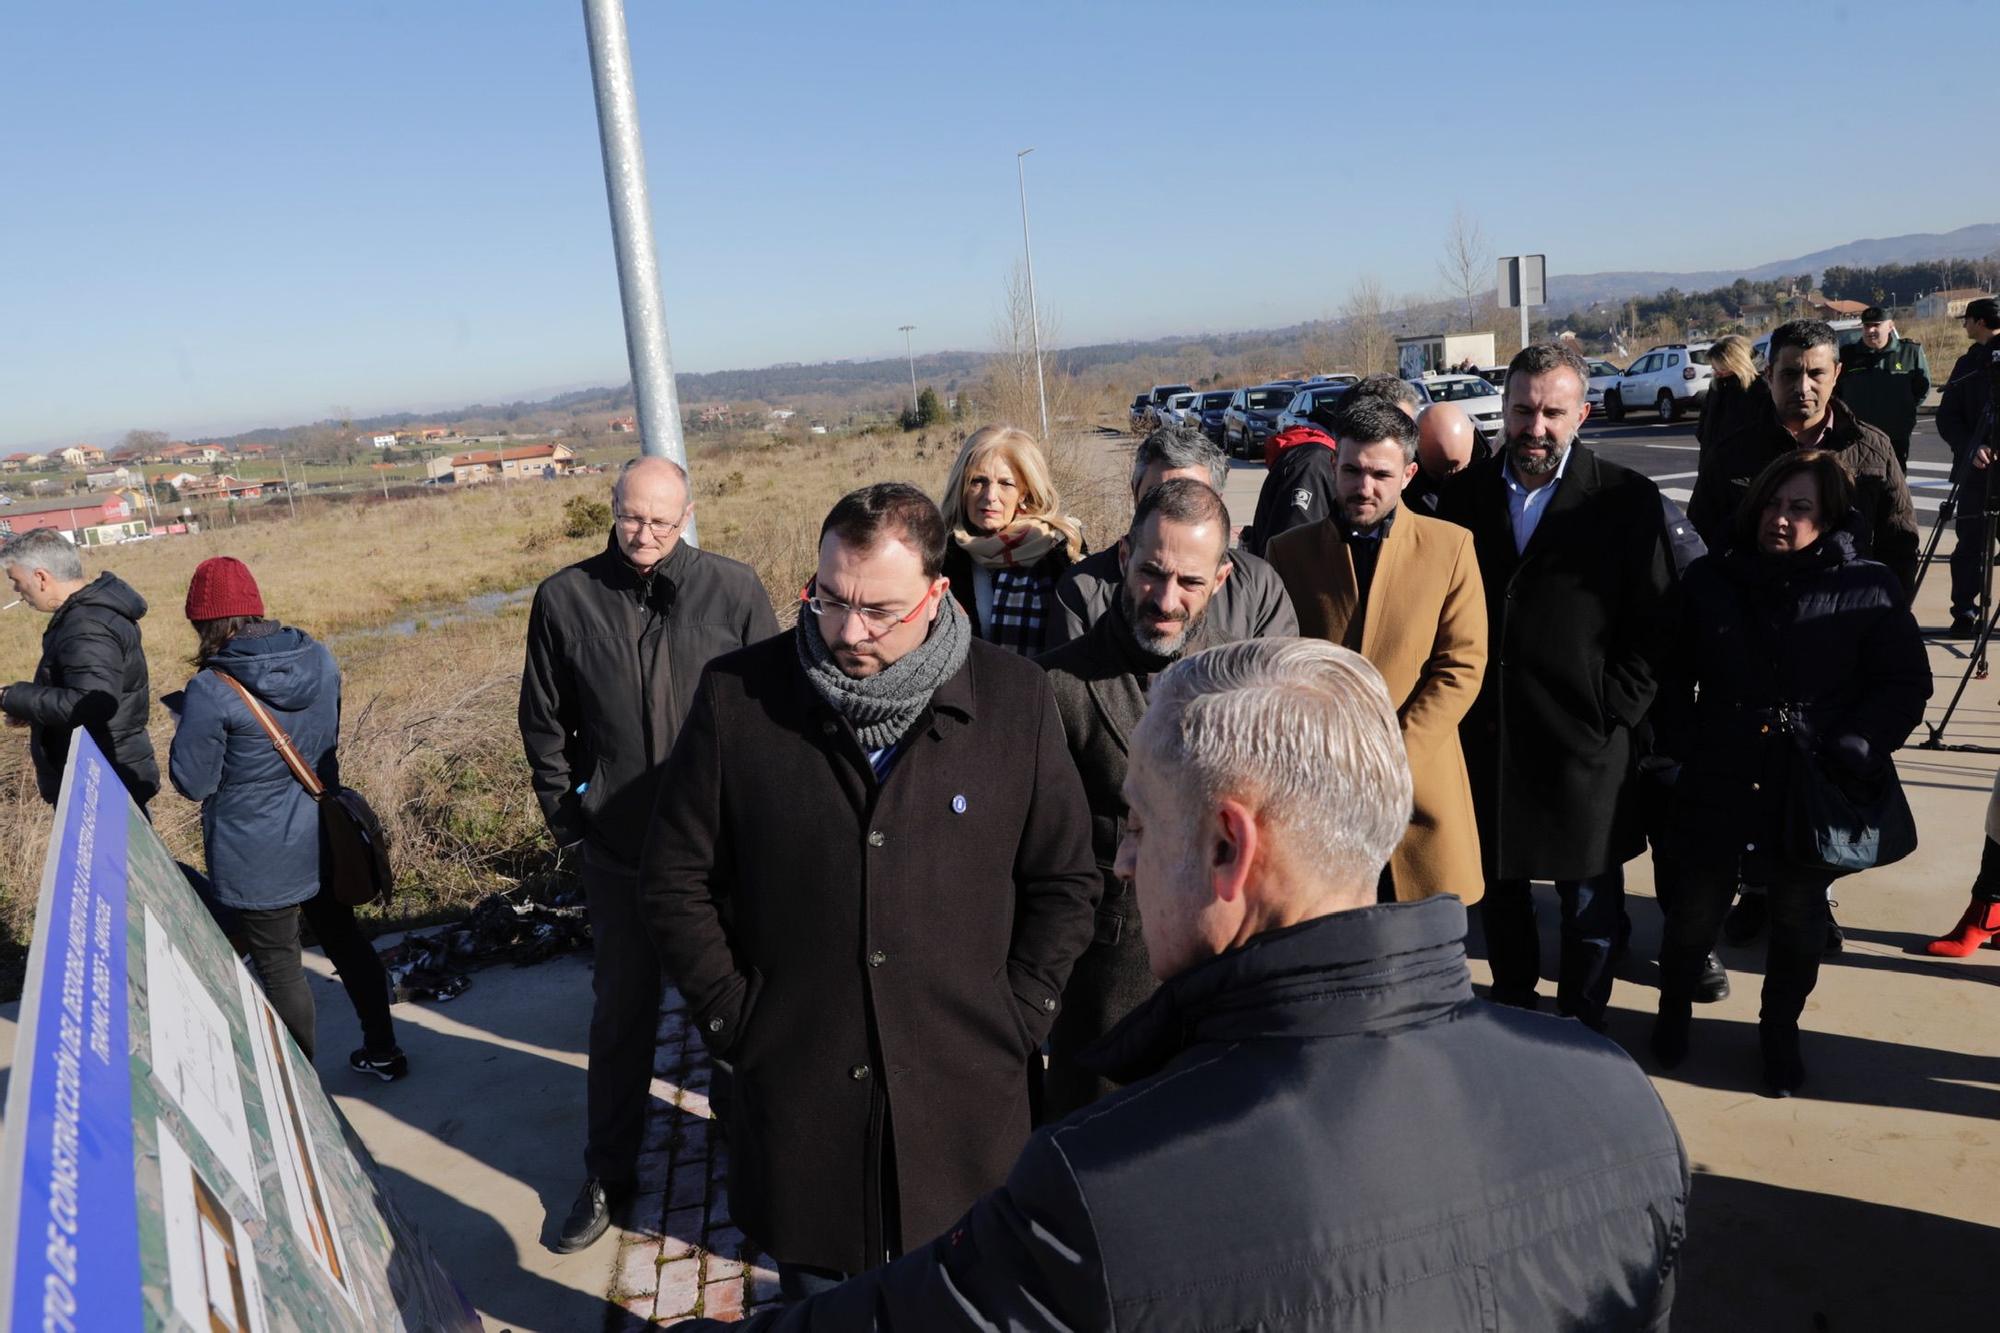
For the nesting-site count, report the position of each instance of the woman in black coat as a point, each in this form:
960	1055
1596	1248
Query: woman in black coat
1787	641
1738	397
1009	540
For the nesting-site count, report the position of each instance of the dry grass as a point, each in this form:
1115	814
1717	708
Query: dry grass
428	729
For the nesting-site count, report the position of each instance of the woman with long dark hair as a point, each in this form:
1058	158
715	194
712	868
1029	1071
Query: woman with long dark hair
259	826
1792	651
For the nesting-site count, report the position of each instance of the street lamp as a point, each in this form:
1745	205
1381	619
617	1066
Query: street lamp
1034	316
905	329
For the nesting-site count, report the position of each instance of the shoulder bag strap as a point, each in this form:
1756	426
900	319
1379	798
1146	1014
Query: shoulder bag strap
279	740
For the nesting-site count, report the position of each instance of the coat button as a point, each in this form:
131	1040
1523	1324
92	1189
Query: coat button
1756	786
877	958
875	838
858	1073
1764	730
1749	846
1049	1004
830	727
715	1025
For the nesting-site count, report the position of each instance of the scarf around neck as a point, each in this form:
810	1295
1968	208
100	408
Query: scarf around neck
1018	546
883	706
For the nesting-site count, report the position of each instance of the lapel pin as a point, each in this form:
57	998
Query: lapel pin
958	805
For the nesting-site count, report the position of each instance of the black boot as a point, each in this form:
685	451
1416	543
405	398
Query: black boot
589	1217
1713	983
1670	1032
1784	1067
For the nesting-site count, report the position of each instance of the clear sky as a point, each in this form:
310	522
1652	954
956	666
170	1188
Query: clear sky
214	216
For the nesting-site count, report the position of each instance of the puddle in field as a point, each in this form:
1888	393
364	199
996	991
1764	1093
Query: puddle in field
478	607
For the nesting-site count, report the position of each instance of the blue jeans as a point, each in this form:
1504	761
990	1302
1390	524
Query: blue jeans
1591	909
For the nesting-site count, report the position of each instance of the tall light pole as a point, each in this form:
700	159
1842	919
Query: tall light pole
646	345
1034	315
905	330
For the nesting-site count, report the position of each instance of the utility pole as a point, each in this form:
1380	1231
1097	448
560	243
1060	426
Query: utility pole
905	328
646	344
1034	315
285	469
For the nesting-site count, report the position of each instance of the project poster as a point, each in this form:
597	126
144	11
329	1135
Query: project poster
170	1159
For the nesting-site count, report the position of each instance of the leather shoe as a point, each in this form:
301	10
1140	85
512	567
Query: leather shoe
1963	627
1713	983
589	1218
1784	1067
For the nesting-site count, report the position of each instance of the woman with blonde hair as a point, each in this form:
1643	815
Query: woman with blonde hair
1737	398
1010	540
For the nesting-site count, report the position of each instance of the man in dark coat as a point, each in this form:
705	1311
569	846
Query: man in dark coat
93	669
1803	374
1884	378
1324	1129
1298	487
1250	604
1447	444
870	877
1573	555
1177	564
1965	420
616	644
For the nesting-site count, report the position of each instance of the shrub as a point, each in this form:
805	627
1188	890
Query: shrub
585	517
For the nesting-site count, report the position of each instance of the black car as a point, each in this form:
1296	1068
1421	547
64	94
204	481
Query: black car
1252	415
1208	410
1141	413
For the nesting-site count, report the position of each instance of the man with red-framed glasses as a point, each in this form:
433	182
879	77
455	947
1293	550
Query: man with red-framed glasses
870	875
615	645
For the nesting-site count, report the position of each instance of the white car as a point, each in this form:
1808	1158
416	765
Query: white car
1178	409
1848	331
1312	397
1602	376
1478	397
1669	379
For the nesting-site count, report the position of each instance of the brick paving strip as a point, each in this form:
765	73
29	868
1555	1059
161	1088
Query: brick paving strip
679	1255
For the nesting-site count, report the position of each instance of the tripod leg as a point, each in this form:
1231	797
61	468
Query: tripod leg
1985	588
1945	514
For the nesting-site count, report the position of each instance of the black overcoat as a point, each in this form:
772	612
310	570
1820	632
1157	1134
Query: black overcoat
1575	625
861	949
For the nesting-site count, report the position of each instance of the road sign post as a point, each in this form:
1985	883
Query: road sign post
1523	284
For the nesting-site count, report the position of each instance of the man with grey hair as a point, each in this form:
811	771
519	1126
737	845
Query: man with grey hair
1315	1099
616	644
1572	550
92	674
1251	604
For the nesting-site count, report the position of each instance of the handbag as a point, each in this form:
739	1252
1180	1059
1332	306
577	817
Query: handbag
1841	825
354	851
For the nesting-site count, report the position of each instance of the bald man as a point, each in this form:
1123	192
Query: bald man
1447	444
616	644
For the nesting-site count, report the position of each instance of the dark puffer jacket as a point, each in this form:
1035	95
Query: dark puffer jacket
92	675
1299	489
260	827
1328	1132
1822	634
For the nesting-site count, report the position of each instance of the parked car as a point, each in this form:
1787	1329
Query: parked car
1140	413
1338	377
1602	376
1848	330
1252	416
1494	375
1209	412
1178	409
1159	393
1478	397
1309	399
1670	379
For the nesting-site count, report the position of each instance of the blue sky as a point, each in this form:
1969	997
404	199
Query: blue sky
214	216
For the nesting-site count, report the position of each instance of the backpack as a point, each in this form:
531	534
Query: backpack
353	849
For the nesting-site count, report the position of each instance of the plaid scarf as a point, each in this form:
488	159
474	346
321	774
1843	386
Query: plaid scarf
1020	602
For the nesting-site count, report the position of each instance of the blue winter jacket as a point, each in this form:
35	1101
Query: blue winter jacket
260	827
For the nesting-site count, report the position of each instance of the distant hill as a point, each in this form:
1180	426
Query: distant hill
1568	291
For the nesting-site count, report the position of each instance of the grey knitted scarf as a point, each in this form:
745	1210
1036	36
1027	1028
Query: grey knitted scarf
881	707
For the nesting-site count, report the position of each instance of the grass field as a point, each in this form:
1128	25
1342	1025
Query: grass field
430	684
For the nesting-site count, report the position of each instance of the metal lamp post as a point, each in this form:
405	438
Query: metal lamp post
1034	315
907	351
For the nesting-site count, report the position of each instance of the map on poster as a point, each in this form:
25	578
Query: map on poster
170	1159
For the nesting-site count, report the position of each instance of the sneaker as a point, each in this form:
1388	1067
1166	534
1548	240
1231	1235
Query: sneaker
388	1067
1713	983
1745	921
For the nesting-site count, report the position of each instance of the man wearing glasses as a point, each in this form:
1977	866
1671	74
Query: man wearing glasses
870	874
615	646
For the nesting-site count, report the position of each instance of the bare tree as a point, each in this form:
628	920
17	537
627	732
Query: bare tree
1365	342
1007	393
1467	265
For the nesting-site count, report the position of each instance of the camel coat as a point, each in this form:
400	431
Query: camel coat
1425	631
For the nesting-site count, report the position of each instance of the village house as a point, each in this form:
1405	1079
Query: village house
87	520
82	455
623	425
524	461
116	477
1949	304
224	487
384	439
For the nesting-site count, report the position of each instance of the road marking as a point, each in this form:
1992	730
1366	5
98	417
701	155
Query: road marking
1680	493
1916	463
1690	448
1676	476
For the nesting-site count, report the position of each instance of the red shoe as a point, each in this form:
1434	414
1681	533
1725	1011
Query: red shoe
1978	926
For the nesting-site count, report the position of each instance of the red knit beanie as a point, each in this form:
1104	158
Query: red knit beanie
221	587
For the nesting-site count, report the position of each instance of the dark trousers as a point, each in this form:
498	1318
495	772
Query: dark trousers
1967	560
272	940
1695	898
625	987
1591	909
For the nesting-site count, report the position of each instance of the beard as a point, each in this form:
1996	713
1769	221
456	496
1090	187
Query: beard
1159	638
1537	467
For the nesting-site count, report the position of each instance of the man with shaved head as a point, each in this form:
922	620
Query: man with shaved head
1447	444
616	644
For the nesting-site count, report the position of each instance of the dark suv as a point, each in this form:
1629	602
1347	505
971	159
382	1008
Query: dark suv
1252	415
1209	409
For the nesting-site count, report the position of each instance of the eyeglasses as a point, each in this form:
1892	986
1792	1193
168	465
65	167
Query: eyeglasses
877	621
660	528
